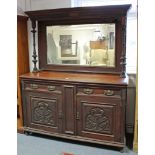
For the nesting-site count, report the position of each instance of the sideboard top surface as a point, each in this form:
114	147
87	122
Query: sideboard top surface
78	77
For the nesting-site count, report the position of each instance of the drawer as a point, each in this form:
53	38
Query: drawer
43	87
98	91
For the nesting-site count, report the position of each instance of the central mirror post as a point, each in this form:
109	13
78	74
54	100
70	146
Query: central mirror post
35	69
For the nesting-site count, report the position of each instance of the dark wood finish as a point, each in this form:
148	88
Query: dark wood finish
79	103
43	111
83	15
76	102
84	78
98	117
101	111
69	109
80	13
22	63
34	46
76	138
123	56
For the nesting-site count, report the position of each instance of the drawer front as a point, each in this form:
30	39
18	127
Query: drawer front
101	91
43	87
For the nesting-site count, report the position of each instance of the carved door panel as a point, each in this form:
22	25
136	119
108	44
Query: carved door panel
44	111
100	118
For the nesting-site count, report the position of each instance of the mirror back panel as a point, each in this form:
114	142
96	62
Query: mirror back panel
83	39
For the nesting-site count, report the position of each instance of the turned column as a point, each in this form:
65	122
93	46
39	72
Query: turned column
35	69
123	55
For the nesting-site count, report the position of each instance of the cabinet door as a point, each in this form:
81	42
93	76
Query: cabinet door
44	111
100	118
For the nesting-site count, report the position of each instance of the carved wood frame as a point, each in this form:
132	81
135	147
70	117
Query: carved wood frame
83	15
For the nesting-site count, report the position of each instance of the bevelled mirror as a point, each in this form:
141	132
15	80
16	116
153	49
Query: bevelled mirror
85	45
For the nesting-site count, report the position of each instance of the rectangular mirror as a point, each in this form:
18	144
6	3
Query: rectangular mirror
85	44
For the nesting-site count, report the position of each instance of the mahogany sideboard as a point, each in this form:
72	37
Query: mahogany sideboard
71	94
76	106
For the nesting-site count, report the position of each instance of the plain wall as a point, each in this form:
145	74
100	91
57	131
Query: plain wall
31	5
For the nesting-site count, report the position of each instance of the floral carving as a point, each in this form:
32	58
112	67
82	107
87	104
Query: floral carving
96	120
44	113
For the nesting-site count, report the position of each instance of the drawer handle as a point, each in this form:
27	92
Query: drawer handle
51	88
34	86
108	92
88	91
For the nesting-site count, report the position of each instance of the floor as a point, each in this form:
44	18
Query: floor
36	145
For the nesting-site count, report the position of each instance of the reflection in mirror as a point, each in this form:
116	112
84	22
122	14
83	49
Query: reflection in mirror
87	44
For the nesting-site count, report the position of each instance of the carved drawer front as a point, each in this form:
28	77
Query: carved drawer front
101	91
44	111
99	118
43	87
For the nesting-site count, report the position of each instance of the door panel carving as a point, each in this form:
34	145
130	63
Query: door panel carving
97	120
72	114
97	117
44	111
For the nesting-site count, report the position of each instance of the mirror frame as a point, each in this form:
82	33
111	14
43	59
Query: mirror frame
83	15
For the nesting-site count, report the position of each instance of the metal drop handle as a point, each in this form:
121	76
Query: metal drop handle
34	86
51	88
109	92
88	91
